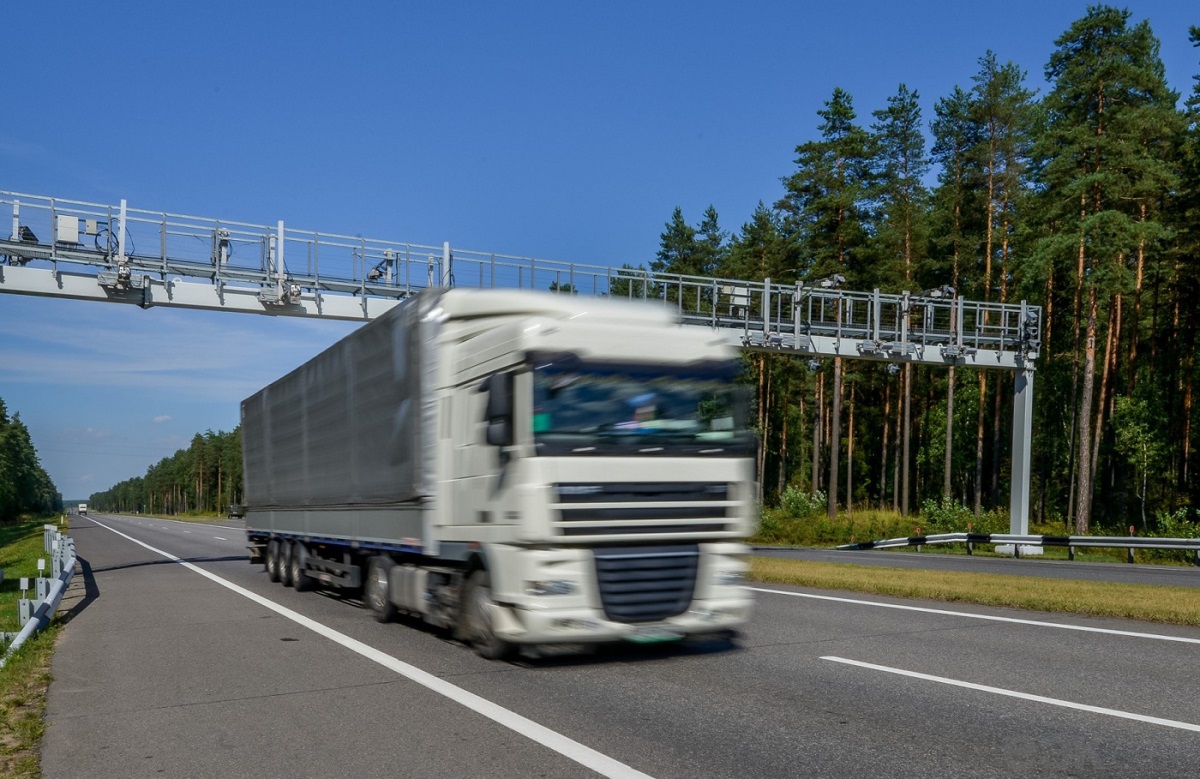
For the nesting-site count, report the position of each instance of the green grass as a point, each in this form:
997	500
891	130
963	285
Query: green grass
24	680
21	546
1171	605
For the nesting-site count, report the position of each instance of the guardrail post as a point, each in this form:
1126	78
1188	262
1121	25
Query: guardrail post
1070	552
1130	560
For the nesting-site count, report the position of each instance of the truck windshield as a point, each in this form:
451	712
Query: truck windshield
596	409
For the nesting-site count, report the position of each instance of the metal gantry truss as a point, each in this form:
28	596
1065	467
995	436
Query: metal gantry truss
111	252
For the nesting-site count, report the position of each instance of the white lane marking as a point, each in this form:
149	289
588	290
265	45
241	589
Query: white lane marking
1170	723
221	538
989	617
584	755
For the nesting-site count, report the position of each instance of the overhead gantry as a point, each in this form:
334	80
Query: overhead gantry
111	252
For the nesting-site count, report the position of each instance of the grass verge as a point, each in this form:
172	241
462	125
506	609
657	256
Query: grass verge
1170	605
24	680
25	677
21	546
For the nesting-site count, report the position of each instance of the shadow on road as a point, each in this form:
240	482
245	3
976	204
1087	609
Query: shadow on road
89	594
163	561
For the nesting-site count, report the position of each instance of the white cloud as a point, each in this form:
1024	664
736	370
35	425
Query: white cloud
162	419
208	355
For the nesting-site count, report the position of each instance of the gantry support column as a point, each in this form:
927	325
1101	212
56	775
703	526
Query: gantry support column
1022	448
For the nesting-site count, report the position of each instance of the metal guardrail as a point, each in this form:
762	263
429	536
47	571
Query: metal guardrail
37	613
1017	541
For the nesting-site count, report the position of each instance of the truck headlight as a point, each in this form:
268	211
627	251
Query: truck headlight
550	587
729	578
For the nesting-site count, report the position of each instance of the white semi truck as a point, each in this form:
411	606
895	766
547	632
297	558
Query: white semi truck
520	468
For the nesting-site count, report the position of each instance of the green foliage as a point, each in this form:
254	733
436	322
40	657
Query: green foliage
949	516
25	487
828	197
204	478
1181	523
798	504
629	282
778	528
901	236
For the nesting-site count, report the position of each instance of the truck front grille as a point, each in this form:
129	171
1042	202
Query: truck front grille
646	583
642	508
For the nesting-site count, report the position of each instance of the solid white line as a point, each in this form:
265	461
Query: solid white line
585	756
1170	723
221	538
989	617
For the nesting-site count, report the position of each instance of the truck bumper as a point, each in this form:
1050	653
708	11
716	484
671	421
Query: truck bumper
590	626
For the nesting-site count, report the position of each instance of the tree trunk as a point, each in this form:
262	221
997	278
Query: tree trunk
949	432
907	433
883	455
850	457
996	445
1136	325
818	422
1110	362
1187	419
979	429
1072	461
1083	515
762	423
783	433
835	434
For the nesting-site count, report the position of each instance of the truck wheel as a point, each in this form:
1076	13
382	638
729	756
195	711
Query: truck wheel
375	589
299	564
273	559
285	563
476	616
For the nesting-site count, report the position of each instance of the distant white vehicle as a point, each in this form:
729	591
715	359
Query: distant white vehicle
83	509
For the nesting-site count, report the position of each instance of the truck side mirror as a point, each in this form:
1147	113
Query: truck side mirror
499	412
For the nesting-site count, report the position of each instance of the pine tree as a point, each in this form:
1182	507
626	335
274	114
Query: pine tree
901	236
1108	120
956	135
827	203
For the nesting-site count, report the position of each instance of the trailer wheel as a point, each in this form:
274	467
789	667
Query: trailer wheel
375	589
285	563
273	559
476	617
299	560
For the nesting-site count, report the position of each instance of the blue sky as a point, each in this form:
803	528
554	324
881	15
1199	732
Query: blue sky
560	130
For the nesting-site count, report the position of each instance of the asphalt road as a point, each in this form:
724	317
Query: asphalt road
164	671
